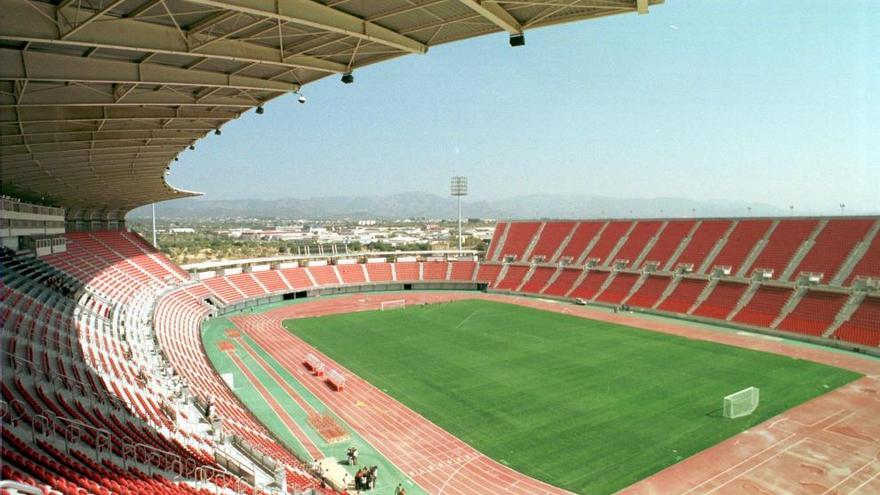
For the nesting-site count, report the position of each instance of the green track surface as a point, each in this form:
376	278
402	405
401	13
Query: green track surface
214	331
584	405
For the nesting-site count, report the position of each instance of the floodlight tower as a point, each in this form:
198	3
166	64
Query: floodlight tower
458	188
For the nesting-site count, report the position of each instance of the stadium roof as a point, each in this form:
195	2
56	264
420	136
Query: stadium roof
98	97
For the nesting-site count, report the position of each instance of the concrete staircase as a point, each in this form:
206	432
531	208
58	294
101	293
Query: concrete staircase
789	305
802	251
681	247
855	255
845	313
756	251
561	248
707	263
650	244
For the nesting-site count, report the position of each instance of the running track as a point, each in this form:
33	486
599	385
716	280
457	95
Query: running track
830	445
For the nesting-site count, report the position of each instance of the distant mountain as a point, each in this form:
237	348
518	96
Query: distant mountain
426	205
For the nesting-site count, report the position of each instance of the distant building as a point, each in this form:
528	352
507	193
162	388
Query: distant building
183	230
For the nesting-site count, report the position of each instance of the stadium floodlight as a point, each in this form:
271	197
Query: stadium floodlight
458	187
217	132
192	147
518	39
301	99
260	110
842	206
347	78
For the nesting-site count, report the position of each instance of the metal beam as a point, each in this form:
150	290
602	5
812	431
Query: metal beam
39	66
319	16
34	22
35	115
495	14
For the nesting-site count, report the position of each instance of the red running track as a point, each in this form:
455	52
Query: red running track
829	445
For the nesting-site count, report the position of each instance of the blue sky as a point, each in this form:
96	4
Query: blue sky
766	101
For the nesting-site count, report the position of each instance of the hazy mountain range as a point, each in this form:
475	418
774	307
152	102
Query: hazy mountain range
426	205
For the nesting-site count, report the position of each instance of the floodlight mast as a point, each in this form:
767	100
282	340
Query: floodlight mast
155	244
458	188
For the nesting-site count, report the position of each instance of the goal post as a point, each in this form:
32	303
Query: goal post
395	304
742	403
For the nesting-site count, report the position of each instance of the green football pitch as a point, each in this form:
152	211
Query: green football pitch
581	404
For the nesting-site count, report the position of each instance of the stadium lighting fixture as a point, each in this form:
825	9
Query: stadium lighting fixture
458	187
842	206
301	99
791	210
518	39
260	110
192	147
347	78
217	132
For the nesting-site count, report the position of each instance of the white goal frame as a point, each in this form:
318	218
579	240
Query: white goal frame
395	304
742	403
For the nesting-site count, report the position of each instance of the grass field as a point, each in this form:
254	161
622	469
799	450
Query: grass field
584	405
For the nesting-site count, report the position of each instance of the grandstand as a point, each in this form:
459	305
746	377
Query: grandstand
107	388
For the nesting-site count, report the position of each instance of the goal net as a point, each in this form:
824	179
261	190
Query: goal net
396	304
741	403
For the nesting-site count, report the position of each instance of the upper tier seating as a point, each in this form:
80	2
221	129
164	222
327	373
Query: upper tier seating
702	242
494	252
740	242
833	245
608	240
721	301
551	237
637	240
764	306
869	264
814	312
519	236
668	241
863	326
782	244
580	240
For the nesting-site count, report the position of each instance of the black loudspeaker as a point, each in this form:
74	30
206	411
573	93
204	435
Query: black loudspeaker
517	39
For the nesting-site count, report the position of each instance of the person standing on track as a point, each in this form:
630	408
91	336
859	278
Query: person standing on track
400	490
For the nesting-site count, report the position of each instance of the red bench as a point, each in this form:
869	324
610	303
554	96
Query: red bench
314	364
336	380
